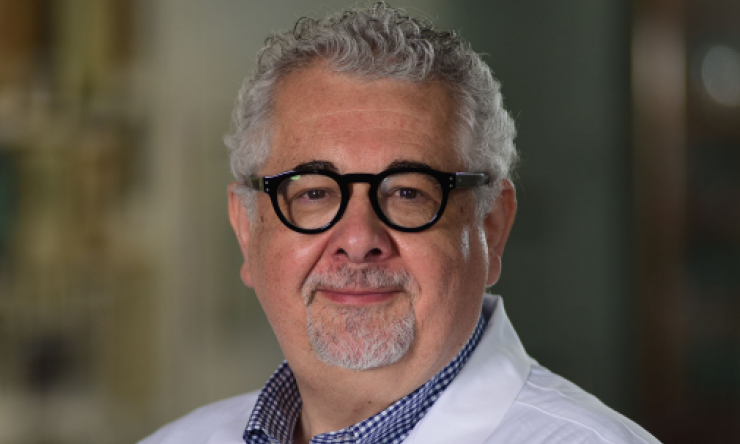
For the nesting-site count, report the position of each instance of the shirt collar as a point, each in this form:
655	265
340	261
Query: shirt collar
276	412
483	391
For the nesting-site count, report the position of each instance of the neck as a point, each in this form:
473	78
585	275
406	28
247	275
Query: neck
337	398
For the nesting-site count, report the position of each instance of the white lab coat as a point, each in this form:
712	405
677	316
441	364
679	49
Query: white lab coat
501	396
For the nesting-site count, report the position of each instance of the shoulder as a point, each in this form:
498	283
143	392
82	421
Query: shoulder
550	409
222	422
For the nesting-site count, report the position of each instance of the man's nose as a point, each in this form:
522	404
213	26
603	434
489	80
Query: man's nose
360	236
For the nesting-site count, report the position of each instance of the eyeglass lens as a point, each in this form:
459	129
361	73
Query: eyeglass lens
408	200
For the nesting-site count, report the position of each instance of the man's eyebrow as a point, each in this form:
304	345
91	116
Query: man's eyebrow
316	165
326	165
408	164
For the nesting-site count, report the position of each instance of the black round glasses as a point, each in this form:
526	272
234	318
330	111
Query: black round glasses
408	199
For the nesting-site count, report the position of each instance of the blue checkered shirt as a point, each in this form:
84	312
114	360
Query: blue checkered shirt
275	414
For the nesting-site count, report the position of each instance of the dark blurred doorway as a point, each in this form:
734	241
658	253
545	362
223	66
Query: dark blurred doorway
686	90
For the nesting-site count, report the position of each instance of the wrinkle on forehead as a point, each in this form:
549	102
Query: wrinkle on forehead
359	110
363	120
360	130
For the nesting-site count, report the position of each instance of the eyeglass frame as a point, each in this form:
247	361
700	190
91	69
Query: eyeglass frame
461	180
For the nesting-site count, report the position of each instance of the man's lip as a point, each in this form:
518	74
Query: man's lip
358	296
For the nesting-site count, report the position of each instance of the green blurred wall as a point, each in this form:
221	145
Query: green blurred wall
567	276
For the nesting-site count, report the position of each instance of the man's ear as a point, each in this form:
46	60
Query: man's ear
239	219
497	225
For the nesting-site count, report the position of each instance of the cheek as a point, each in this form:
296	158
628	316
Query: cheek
449	266
472	238
465	244
437	263
283	260
474	248
273	246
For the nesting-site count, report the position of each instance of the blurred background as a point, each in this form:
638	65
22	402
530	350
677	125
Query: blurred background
121	306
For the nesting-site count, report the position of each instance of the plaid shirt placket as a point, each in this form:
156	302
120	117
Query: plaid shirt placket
276	412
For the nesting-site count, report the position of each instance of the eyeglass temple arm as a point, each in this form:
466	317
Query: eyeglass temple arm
471	180
255	182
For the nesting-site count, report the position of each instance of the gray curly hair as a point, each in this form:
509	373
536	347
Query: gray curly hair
374	42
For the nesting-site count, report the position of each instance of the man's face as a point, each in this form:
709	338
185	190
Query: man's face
362	295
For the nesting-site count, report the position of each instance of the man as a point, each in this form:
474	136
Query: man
372	206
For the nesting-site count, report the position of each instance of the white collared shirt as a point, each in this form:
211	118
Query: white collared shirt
502	396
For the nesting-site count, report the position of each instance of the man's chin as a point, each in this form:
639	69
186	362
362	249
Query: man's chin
360	338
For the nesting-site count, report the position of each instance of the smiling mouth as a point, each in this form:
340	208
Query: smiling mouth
363	296
345	285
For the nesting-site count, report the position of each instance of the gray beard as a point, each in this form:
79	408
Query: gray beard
360	338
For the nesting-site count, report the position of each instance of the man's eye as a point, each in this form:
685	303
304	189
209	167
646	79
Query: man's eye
313	194
408	193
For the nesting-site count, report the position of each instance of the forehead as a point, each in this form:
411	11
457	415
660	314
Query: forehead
360	125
